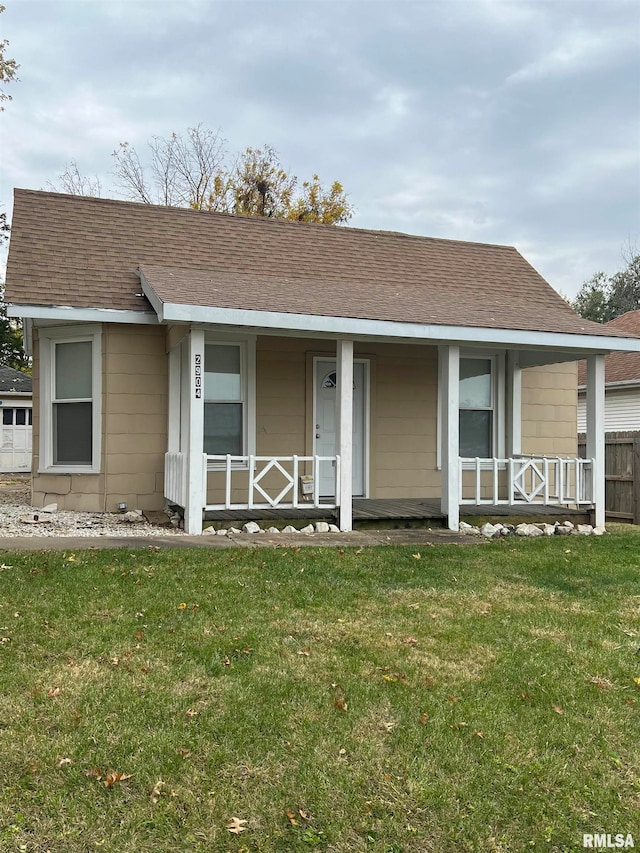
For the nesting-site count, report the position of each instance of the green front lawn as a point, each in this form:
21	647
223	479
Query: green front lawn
476	698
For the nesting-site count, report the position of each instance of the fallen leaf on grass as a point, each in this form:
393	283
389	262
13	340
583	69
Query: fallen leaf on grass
340	702
113	777
358	552
479	734
191	712
235	825
416	556
636	681
304	652
411	641
394	676
558	709
64	762
458	726
452	698
600	683
182	605
424	718
184	753
293	815
52	692
388	727
157	790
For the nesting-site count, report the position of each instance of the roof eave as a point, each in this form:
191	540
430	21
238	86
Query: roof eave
80	315
366	328
613	386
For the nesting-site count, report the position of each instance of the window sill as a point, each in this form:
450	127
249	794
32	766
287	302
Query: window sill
69	469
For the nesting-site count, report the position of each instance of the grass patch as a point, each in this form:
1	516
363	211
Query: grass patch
457	699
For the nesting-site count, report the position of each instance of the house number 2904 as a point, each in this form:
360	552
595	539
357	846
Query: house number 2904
198	375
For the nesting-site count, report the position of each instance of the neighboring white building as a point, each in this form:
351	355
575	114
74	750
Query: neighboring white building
15	420
622	382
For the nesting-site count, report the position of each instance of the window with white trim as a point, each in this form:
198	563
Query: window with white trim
481	406
477	405
71	379
225	399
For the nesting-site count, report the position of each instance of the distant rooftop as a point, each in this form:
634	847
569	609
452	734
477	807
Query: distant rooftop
14	380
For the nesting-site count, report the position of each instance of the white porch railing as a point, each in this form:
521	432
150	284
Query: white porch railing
549	481
175	478
248	476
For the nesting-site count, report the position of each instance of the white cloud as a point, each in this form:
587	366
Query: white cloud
578	51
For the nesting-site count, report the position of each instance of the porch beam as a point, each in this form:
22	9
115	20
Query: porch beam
542	358
196	498
449	369
344	375
595	432
514	404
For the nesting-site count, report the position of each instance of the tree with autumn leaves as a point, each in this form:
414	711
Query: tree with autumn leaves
193	170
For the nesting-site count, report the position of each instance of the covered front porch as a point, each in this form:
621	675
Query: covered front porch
270	486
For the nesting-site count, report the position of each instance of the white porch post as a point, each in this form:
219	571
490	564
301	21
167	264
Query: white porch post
595	431
344	371
514	405
449	362
195	450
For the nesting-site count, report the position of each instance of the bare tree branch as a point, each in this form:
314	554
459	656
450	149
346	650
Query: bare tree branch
73	182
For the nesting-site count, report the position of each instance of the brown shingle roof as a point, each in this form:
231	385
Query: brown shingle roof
619	366
84	252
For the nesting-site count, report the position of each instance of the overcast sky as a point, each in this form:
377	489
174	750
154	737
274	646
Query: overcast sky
500	121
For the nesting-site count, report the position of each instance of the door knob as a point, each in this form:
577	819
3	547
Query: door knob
317	435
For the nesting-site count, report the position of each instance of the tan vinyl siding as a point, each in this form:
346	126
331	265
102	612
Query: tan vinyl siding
135	416
134	431
549	410
404	422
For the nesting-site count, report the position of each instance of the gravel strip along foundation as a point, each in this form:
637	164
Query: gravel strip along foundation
18	518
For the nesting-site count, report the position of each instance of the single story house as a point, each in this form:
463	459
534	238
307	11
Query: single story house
622	382
15	420
211	361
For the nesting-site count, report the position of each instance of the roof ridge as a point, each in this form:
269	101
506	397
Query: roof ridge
274	221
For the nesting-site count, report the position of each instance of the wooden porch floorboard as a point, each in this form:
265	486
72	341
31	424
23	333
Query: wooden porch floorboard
396	509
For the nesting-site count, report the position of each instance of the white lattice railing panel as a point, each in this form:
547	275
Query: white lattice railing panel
269	482
543	480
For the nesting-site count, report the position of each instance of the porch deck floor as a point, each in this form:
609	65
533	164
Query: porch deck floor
399	510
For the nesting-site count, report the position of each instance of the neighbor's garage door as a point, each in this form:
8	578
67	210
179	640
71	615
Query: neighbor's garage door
15	438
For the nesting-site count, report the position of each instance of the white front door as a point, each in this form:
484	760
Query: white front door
325	441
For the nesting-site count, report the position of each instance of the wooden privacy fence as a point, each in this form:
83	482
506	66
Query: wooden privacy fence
622	474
